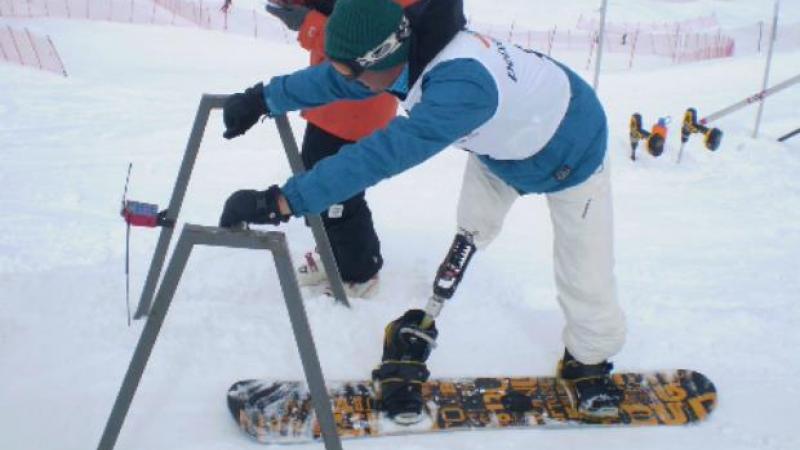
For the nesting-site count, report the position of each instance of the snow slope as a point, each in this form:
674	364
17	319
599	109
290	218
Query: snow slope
707	252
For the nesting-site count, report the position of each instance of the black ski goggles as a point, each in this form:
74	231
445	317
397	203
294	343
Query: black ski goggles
390	45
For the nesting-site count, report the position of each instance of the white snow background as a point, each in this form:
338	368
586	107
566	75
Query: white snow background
708	251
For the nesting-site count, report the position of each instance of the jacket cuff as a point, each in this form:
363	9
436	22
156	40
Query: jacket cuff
267	102
293	197
312	33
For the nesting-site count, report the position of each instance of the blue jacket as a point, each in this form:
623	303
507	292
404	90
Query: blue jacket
458	96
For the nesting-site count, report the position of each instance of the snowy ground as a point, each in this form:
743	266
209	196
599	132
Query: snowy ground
707	252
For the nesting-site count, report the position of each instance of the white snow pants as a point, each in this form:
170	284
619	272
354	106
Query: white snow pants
583	252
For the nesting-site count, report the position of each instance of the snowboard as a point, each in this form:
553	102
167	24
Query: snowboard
281	412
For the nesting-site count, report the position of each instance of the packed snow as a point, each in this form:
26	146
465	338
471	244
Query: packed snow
707	250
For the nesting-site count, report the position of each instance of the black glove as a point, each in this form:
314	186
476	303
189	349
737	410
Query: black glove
241	111
253	207
291	15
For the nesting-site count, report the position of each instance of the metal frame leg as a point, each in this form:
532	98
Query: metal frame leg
146	342
314	220
207	103
305	344
210	102
197	235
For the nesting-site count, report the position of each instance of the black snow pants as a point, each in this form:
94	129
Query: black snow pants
350	229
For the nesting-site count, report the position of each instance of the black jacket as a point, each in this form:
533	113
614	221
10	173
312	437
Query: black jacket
434	23
323	6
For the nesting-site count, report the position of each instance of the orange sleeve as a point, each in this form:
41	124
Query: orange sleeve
312	33
405	3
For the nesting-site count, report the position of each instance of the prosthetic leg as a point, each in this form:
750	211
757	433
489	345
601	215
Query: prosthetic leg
409	340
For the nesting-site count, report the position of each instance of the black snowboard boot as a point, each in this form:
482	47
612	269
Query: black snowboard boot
596	394
402	372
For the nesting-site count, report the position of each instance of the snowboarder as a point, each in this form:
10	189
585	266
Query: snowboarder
349	222
530	126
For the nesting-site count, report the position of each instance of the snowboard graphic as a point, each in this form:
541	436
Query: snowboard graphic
281	411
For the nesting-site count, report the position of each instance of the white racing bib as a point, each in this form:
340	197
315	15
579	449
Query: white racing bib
533	96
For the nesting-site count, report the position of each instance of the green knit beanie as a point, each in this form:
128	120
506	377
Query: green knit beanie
358	26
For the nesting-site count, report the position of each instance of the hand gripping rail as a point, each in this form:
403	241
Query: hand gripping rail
210	102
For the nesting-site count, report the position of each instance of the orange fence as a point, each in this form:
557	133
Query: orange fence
125	11
677	46
679	42
28	49
208	15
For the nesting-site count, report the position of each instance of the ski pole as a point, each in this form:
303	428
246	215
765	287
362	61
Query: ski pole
137	214
789	136
713	135
750	100
127	248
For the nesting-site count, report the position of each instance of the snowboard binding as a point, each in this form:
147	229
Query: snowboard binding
398	379
596	395
712	137
655	138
